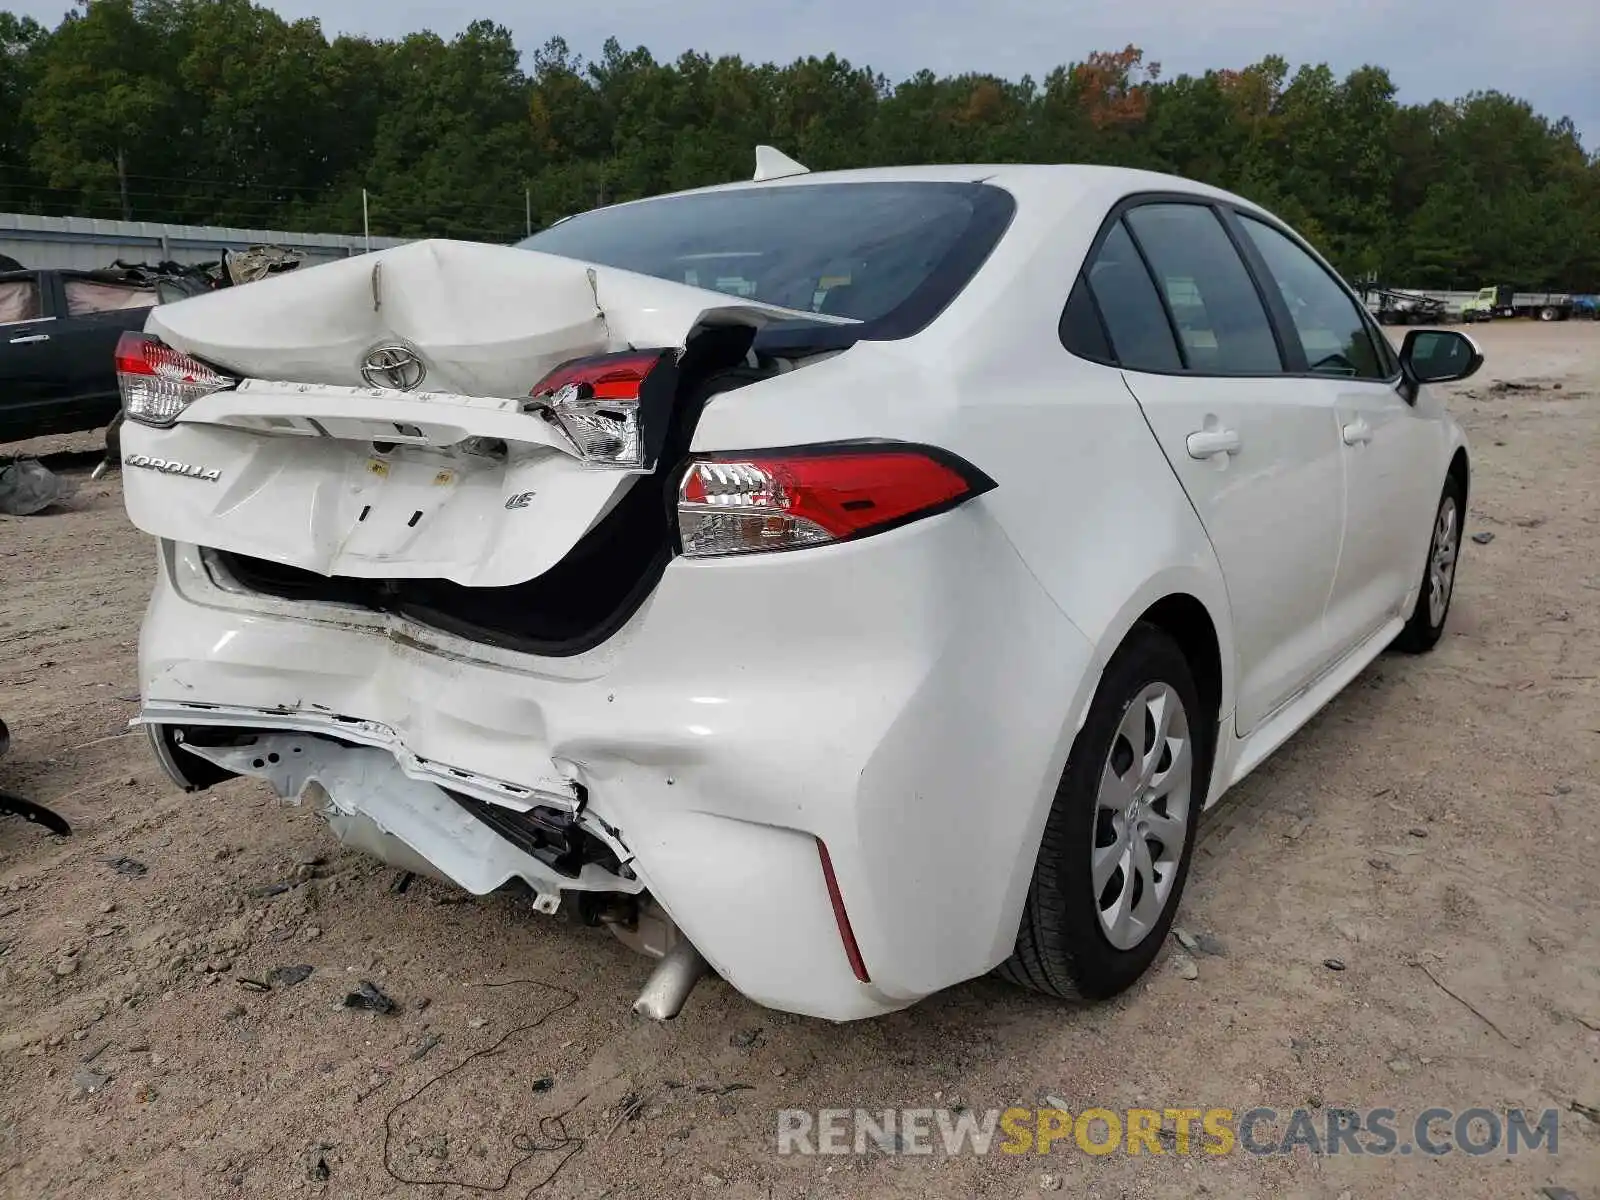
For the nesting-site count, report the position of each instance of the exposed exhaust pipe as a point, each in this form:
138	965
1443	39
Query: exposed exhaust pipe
671	982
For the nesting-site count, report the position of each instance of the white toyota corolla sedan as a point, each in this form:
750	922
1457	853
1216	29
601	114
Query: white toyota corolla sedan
853	582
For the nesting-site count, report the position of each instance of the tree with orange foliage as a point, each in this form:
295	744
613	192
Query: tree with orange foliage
1114	86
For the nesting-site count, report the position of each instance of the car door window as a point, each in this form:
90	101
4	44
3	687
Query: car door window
1213	301
19	300
1336	339
1141	335
85	296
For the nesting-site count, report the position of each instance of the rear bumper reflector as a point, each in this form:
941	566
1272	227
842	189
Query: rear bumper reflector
846	934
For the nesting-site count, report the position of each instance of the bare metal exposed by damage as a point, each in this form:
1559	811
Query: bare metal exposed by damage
560	790
454	825
358	783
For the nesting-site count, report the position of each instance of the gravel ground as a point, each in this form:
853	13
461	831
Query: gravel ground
1432	830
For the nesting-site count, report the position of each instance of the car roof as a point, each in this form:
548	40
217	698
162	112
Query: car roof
1029	182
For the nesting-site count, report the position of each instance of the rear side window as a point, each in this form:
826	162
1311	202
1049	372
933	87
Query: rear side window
1336	339
1081	330
1212	299
1141	335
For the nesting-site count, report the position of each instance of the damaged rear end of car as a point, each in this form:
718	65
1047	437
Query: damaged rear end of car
494	462
449	550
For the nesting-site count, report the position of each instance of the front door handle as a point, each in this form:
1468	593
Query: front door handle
32	337
1208	443
1357	432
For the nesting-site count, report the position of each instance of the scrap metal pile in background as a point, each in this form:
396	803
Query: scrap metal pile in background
235	267
1404	308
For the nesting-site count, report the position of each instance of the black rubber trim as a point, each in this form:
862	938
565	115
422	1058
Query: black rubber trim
365	594
547	648
1291	352
553	837
792	339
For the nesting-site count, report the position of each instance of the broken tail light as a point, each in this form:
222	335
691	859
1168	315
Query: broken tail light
786	500
600	403
157	382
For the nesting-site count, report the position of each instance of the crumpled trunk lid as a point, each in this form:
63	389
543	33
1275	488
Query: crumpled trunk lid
327	459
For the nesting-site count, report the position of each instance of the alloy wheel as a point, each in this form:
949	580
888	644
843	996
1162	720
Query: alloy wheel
1442	562
1142	813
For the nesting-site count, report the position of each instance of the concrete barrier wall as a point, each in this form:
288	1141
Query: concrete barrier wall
83	243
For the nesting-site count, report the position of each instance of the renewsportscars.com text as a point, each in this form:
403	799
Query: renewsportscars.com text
1173	1131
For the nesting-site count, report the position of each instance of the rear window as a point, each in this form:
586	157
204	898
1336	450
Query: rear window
890	255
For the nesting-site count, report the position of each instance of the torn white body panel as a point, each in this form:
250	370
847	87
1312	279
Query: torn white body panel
305	464
356	784
430	418
486	320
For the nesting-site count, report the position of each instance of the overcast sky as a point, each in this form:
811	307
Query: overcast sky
1545	52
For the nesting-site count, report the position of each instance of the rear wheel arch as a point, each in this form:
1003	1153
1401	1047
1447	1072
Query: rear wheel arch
1188	622
1062	946
1192	608
1460	468
1188	604
1197	627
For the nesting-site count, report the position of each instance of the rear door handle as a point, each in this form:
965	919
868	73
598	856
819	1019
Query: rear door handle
1208	443
1357	432
32	337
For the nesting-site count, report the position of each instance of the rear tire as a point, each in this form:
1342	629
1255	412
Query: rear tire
1548	313
1426	626
1079	943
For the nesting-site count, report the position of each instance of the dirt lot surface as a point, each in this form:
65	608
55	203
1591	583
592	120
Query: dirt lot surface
1433	830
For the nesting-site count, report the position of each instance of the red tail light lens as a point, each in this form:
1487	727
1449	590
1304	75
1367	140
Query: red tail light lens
605	377
599	402
157	382
786	500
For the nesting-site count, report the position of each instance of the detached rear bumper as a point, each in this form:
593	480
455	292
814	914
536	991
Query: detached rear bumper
907	700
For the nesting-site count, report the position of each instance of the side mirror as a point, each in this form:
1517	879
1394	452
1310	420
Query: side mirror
1438	356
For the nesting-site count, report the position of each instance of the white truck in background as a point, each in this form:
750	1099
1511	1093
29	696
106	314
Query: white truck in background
1503	301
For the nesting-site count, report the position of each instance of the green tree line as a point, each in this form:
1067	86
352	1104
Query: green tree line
223	112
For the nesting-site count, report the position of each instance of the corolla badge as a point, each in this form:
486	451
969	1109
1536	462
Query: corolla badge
398	367
171	466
